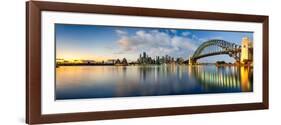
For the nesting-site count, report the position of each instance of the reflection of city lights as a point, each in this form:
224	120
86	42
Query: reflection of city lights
245	79
223	77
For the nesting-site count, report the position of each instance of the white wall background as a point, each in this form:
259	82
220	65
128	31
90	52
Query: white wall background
12	64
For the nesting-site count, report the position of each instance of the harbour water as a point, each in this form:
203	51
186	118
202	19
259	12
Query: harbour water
81	82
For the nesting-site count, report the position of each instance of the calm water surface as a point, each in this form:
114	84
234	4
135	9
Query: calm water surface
77	82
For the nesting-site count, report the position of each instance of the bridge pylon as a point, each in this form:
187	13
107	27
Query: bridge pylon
246	51
191	61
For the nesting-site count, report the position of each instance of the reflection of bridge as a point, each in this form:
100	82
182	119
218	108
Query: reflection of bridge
218	47
229	78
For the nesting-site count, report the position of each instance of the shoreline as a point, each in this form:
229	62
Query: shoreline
218	65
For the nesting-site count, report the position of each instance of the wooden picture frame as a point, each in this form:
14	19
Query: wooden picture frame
33	62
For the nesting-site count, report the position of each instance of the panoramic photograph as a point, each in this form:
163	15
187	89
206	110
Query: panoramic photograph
94	61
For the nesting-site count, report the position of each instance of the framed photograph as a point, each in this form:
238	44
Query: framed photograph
94	62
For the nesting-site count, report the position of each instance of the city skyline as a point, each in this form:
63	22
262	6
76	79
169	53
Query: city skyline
101	43
143	58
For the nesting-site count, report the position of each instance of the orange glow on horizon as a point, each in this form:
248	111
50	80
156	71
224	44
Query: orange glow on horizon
80	56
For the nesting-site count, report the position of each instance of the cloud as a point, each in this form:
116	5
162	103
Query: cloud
185	33
126	43
183	43
156	43
194	37
174	31
216	37
121	32
202	39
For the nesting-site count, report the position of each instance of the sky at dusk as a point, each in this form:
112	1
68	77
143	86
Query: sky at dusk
92	42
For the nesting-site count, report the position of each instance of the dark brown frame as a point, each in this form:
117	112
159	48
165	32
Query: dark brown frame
33	61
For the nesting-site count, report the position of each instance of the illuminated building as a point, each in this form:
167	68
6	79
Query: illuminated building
246	51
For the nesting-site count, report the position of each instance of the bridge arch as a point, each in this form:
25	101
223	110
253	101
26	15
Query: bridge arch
225	47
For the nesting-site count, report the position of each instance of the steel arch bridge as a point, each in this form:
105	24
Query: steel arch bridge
216	47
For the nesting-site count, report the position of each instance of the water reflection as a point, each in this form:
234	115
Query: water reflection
75	82
226	78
